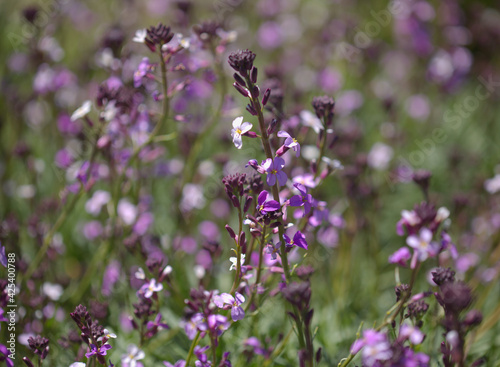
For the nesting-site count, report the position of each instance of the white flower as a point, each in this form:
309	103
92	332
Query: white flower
133	355
442	214
139	274
82	111
140	36
310	120
493	184
239	128
53	291
107	334
234	261
423	244
380	156
77	364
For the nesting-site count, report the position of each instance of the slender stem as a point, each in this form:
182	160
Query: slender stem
321	152
237	276
191	349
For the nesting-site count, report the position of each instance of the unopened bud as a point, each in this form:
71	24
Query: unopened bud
253	75
230	231
267	94
239	80
243	91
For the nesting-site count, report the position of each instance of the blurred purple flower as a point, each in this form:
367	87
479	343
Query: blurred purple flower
304	199
150	287
290	143
375	347
400	257
270	35
423	244
94	350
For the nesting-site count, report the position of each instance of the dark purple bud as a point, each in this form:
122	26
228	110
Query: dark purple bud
235	201
473	318
308	317
267	94
318	355
251	110
282	150
239	80
272	126
28	362
242	240
255	91
243	91
248	202
242	61
251	134
253	75
442	275
275	224
230	231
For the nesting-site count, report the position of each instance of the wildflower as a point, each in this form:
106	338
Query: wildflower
239	128
323	106
179	363
39	345
157	324
304	199
290	143
4	356
149	288
142	71
234	261
217	324
242	61
82	111
400	257
237	312
411	333
380	156
140	36
492	185
375	347
423	244
133	355
265	206
309	120
98	351
408	220
77	364
298	239
273	249
159	35
196	323
274	171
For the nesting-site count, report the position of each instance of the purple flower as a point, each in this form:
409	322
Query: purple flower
3	258
298	240
237	312
400	257
423	244
218	324
98	351
273	249
290	143
133	355
375	347
304	199
264	206
195	324
149	288
4	356
274	171
179	363
142	70
157	324
412	333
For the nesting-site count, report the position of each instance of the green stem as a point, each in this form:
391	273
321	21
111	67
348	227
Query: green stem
191	349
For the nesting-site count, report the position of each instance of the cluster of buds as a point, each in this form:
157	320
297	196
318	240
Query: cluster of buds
38	345
324	107
246	79
422	215
158	36
455	297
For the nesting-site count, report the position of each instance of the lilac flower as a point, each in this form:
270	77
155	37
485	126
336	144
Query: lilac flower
400	257
217	324
304	199
237	312
179	363
98	351
141	72
157	324
408	220
3	258
274	171
4	356
298	240
239	128
306	179
423	244
77	364
94	205
195	324
290	143
375	347
133	355
273	249
148	289
264	206
412	333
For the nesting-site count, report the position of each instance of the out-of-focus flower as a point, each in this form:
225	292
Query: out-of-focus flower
400	257
290	143
304	199
423	244
375	347
492	185
82	111
134	354
150	287
234	261
140	36
298	240
98	351
380	156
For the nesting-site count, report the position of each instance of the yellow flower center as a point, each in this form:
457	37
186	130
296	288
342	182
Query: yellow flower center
238	131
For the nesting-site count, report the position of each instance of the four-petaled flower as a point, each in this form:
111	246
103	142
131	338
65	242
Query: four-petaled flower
423	244
98	351
290	143
237	312
149	288
234	261
239	128
133	355
265	206
273	250
304	199
298	240
274	171
375	346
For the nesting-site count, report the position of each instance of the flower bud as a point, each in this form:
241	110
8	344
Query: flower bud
266	96
253	75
